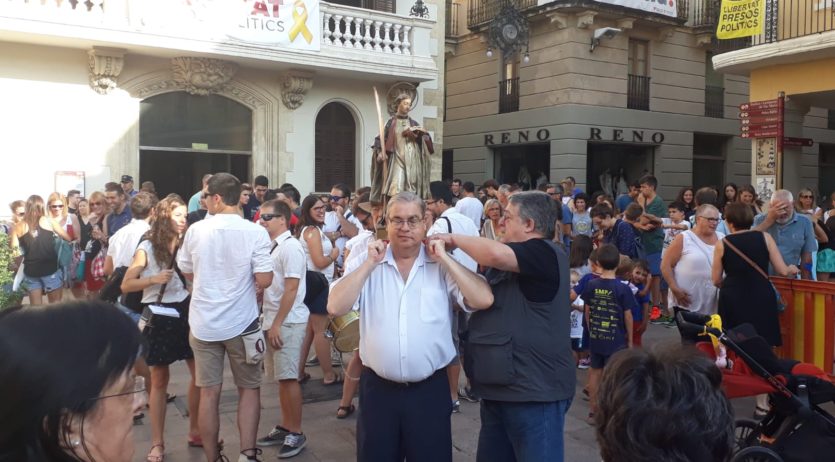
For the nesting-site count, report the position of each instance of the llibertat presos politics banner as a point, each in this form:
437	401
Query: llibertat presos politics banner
283	23
740	18
665	7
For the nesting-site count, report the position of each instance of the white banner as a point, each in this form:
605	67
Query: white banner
285	23
665	7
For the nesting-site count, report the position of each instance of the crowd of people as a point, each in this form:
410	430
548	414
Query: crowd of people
516	288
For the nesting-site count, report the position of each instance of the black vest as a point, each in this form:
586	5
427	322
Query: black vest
519	350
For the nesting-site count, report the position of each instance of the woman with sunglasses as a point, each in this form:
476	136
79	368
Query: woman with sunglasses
69	392
82	216
321	253
153	272
58	210
93	240
35	235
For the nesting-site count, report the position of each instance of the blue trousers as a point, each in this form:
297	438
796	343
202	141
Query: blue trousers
522	432
398	421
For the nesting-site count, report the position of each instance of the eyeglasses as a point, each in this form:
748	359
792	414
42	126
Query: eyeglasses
412	222
337	198
805	196
138	387
56	206
710	219
268	216
95	203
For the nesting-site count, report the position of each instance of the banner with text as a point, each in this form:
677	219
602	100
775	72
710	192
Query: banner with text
285	23
665	7
740	18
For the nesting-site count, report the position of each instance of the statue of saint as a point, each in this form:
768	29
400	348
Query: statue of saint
407	150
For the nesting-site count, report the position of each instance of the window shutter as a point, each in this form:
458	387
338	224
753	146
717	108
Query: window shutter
335	147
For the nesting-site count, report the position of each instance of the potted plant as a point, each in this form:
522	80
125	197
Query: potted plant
8	297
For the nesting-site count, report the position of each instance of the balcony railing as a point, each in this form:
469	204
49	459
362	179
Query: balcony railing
482	11
714	101
788	19
451	19
637	94
702	13
509	95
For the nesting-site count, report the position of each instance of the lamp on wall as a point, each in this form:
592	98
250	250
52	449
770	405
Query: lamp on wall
603	32
509	32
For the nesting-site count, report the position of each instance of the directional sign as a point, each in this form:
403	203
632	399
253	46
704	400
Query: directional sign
760	120
769	134
760	112
797	142
760	127
767	104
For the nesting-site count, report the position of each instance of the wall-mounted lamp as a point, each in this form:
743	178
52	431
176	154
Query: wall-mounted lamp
603	32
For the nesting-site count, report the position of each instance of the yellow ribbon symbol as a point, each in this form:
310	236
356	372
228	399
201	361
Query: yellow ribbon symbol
300	22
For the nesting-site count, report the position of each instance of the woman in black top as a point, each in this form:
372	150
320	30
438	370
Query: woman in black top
35	236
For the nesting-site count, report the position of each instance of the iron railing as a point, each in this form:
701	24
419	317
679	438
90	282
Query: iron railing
509	95
482	11
788	19
714	101
703	13
637	94
451	19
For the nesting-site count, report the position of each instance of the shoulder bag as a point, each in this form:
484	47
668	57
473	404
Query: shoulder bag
781	304
148	318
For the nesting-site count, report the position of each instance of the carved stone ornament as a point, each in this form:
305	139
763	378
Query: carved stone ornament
202	76
398	89
105	66
294	86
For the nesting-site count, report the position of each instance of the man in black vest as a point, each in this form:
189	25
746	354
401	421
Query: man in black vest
518	353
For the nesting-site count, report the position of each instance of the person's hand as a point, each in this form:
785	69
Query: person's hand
437	250
377	251
818	213
777	209
339	209
793	271
447	239
274	336
381	156
162	277
682	297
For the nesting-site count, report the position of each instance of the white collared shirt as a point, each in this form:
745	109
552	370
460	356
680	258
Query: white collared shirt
289	261
405	327
459	224
358	249
332	224
224	253
122	245
471	208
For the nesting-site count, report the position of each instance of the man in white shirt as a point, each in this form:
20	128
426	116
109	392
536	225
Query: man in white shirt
340	223
469	205
449	220
285	321
404	292
227	257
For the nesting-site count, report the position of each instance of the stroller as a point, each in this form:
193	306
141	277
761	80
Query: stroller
796	429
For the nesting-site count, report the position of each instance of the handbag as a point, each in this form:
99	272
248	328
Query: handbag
781	304
148	317
64	251
97	265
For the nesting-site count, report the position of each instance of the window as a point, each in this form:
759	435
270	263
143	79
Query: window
637	95
509	86
714	90
709	160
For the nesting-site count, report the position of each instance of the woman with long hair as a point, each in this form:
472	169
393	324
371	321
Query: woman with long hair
728	195
492	228
57	209
82	219
93	240
36	235
578	254
687	197
321	253
748	196
805	204
153	271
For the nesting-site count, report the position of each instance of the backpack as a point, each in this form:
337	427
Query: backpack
640	253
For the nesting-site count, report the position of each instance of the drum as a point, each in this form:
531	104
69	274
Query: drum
345	331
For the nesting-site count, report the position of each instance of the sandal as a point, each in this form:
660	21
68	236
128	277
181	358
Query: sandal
337	380
197	442
304	378
156	458
342	412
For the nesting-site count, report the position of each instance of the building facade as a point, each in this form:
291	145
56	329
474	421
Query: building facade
602	91
168	90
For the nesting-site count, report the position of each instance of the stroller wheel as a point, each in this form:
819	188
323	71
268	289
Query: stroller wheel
757	454
746	433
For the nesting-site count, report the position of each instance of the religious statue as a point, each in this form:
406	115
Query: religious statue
404	164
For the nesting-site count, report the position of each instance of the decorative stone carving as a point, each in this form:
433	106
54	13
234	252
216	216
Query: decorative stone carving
560	20
625	23
105	66
585	19
294	86
202	76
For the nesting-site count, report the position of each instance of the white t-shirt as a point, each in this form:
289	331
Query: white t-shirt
332	224
326	250
459	224
174	290
122	245
471	208
670	233
289	261
224	252
577	319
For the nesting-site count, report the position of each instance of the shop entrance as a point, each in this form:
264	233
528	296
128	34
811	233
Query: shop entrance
611	167
183	137
522	164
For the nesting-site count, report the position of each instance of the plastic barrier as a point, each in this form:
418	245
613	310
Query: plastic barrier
808	323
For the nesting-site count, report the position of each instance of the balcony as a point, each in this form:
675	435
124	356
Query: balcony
509	95
714	101
451	25
702	14
637	93
362	42
480	12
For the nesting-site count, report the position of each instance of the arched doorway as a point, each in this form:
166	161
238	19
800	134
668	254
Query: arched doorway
336	134
182	137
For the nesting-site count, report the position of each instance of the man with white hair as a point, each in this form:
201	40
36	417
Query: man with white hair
793	233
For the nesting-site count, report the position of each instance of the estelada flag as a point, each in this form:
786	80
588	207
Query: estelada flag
740	18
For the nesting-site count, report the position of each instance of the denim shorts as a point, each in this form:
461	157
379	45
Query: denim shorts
654	261
47	284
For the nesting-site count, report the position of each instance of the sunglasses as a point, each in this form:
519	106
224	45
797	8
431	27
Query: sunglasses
95	203
337	198
268	216
57	207
20	214
805	196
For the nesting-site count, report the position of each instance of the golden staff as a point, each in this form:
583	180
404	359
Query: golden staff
382	149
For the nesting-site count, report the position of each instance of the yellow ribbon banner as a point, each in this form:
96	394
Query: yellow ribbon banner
740	18
300	22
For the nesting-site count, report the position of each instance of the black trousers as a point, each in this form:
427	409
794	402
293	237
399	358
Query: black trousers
399	421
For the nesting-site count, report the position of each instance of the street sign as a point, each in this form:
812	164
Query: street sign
760	112
797	142
759	105
768	134
761	119
760	127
